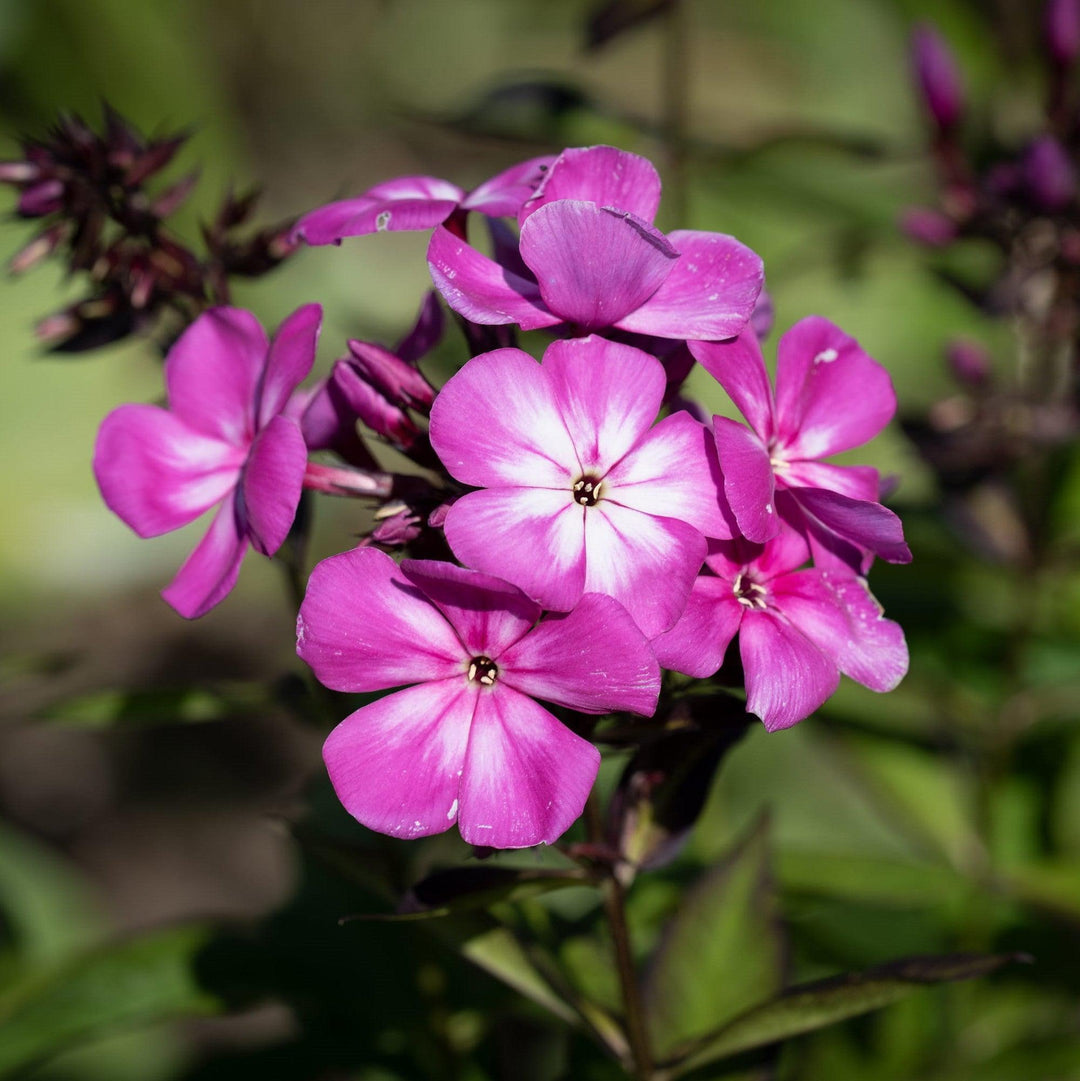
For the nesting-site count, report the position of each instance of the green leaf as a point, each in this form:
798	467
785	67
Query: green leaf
119	986
722	950
190	705
811	1006
459	888
662	790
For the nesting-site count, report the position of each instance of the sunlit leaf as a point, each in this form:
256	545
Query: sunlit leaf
811	1006
721	952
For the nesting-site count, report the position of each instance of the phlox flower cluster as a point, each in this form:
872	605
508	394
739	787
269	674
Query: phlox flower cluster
579	522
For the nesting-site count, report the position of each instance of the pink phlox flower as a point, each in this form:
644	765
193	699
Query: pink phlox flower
578	491
224	440
464	742
594	260
830	397
419	202
798	629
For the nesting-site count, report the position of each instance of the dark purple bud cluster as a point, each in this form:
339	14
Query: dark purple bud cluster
89	191
1024	200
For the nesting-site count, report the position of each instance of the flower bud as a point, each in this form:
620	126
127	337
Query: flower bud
969	363
1049	176
1061	31
937	75
399	382
44	197
928	227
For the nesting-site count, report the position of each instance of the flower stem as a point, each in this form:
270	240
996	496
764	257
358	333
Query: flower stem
637	1033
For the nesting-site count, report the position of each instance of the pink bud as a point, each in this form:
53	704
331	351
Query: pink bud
1061	30
928	227
41	198
969	362
1048	174
937	75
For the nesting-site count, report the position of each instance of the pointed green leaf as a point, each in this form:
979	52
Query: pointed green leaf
811	1006
722	950
117	987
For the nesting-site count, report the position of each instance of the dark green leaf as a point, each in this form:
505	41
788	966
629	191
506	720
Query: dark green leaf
722	950
664	787
459	888
811	1006
120	986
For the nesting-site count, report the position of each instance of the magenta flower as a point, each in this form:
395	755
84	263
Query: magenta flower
830	397
594	260
798	629
223	440
578	492
419	202
464	742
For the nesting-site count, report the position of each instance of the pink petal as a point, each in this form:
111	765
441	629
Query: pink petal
838	613
710	292
157	474
396	764
426	331
854	481
488	613
410	202
497	421
363	626
416	187
481	290
830	396
594	265
673	472
289	361
748	479
856	521
697	643
739	368
607	394
594	659
782	554
603	175
787	676
212	373
272	481
526	776
211	570
503	194
647	564
533	537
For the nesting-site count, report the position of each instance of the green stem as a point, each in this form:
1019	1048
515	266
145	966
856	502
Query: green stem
637	1033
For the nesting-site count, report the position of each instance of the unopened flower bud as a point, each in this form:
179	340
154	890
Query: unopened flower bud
372	407
969	362
42	245
928	227
1049	176
18	172
44	197
399	382
937	75
1061	31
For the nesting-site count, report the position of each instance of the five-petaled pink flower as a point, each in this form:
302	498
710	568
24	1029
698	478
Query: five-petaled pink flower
579	493
223	440
830	397
419	202
593	259
798	629
465	742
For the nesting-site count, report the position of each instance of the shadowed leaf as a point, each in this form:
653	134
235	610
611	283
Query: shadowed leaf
118	987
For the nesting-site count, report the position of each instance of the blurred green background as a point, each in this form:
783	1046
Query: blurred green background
943	817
